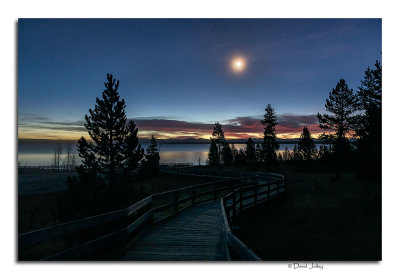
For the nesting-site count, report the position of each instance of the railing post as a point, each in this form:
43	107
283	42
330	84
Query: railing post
269	191
193	196
215	190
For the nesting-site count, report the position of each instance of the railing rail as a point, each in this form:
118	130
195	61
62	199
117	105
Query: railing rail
34	237
126	221
242	198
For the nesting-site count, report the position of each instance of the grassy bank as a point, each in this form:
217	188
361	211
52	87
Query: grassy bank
319	218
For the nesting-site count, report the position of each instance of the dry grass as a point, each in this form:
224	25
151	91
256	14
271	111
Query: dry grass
319	218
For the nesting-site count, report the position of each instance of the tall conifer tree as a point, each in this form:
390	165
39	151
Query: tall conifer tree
270	144
108	160
340	120
306	145
369	122
213	157
227	153
151	163
219	137
251	158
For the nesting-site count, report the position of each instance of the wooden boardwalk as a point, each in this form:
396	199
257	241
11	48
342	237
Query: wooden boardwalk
201	232
195	234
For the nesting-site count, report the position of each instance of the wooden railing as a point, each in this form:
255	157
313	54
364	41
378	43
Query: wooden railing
242	198
87	238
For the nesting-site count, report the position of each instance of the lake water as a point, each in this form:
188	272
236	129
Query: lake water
42	154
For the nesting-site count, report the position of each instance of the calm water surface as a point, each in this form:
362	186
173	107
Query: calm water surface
41	154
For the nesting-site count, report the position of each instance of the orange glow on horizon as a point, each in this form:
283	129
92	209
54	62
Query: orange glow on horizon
50	134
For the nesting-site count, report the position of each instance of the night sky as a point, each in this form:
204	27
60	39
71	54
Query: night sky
176	75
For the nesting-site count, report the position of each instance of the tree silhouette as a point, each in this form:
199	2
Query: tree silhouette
151	162
297	155
109	160
251	158
226	153
219	137
241	157
213	157
115	143
270	145
369	122
340	104
324	153
234	153
286	154
306	145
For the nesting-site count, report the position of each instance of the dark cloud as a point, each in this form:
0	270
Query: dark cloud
171	126
236	127
39	123
293	124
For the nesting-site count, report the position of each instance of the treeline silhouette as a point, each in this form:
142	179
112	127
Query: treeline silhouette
265	154
349	115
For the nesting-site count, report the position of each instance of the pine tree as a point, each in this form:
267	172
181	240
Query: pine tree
227	153
234	153
286	154
115	141
270	144
323	153
251	158
297	155
213	157
241	157
219	137
151	163
306	145
340	105
109	160
369	122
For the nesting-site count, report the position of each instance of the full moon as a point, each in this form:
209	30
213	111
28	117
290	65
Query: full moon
238	64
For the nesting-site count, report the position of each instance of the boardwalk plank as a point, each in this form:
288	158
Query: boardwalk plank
194	234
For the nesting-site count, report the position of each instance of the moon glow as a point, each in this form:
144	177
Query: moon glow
238	64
